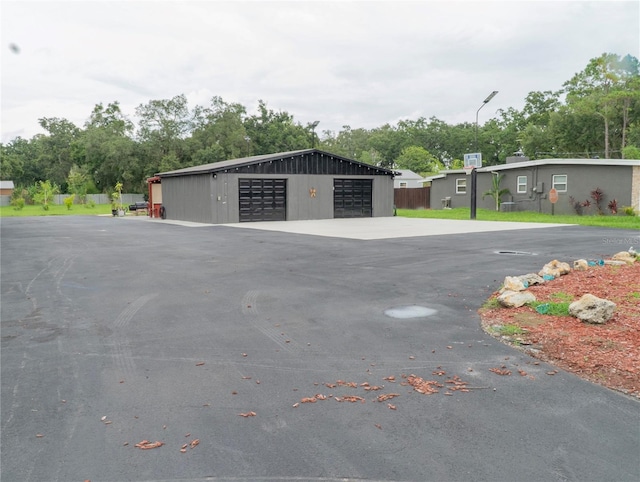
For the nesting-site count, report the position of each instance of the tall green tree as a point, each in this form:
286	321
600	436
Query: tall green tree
418	160
163	127
44	192
221	133
57	149
271	131
602	89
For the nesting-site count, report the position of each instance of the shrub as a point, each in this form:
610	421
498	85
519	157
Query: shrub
90	204
629	211
598	196
576	205
613	206
68	201
17	203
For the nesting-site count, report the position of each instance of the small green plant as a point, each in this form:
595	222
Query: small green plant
18	203
629	211
44	192
491	303
496	192
68	201
511	330
551	308
90	204
562	297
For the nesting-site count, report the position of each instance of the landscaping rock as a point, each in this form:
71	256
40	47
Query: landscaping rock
592	309
555	268
625	256
581	265
531	279
515	299
511	283
615	262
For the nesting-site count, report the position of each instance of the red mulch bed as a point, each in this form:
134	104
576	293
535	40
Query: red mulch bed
607	354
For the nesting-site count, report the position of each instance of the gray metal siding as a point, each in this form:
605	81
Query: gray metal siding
301	204
188	198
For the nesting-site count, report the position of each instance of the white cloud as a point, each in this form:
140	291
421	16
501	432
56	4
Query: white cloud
357	63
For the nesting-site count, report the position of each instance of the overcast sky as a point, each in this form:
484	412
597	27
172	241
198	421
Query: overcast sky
354	63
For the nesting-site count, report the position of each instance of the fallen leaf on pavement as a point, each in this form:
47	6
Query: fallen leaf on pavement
387	396
146	445
247	414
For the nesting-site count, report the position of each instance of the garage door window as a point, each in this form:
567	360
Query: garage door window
352	198
263	199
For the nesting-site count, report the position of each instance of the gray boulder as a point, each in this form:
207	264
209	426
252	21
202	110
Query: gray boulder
515	299
592	309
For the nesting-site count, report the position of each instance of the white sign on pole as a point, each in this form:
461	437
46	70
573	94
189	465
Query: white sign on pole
473	159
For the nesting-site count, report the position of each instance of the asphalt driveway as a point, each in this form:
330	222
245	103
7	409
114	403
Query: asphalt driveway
116	331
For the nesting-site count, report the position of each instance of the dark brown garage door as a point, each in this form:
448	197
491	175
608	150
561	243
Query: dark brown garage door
263	200
352	198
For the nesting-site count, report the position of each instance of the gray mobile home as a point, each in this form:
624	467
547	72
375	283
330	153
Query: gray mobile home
529	183
288	186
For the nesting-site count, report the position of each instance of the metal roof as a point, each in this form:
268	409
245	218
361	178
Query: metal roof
247	161
562	162
6	185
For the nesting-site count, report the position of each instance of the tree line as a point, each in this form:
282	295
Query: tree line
596	113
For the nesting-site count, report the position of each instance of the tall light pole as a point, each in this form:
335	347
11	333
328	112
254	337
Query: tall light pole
474	174
484	102
313	133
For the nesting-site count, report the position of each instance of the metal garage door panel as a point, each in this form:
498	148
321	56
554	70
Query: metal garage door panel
352	198
263	200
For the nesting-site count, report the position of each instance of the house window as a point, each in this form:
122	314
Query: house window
559	182
522	184
461	186
403	184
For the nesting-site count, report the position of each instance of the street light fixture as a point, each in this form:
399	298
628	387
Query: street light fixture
313	133
484	102
474	174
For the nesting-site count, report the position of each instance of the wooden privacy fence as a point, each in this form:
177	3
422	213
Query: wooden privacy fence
412	198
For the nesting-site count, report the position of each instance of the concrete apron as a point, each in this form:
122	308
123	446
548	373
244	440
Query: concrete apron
370	228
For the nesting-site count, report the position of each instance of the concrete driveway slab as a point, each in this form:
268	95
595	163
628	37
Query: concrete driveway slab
387	228
115	332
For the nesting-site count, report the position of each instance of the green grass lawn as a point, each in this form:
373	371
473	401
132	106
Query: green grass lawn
56	210
621	221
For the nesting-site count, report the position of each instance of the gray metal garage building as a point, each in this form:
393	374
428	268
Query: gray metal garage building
288	186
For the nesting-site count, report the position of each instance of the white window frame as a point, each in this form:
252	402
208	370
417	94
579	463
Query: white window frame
461	187
522	186
556	182
403	183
